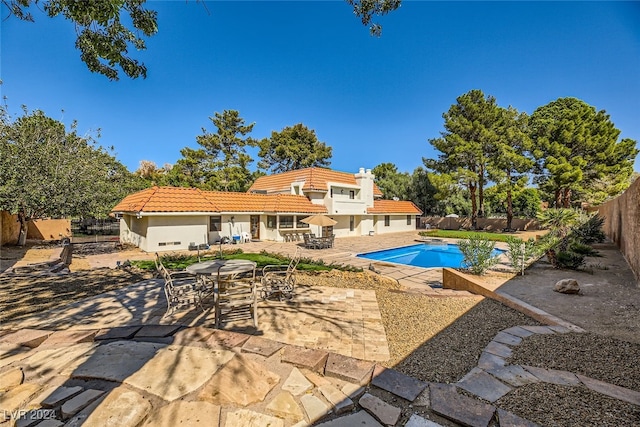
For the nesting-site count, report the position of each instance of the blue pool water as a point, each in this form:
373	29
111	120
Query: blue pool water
423	255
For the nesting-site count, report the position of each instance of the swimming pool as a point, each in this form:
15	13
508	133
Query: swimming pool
423	255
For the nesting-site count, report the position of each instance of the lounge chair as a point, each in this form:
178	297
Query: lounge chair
279	281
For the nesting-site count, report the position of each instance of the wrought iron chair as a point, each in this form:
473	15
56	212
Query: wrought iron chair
236	292
280	281
181	289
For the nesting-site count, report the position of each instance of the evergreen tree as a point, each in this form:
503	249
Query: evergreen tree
294	147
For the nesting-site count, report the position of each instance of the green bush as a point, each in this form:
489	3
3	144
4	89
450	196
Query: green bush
570	260
519	252
478	254
582	249
590	231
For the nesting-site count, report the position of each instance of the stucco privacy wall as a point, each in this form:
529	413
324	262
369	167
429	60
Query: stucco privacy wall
622	224
40	229
489	224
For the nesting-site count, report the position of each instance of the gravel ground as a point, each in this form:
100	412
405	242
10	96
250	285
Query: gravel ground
553	405
603	358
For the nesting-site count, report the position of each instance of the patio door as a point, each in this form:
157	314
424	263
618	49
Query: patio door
327	231
254	224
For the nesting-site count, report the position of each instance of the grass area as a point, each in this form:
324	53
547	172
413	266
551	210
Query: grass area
464	234
180	262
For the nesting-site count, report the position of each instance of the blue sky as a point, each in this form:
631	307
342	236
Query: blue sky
372	99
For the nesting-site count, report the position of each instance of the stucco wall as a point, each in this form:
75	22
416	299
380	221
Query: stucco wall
40	229
489	224
622	224
170	233
397	223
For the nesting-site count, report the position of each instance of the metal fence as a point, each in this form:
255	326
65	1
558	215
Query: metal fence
95	227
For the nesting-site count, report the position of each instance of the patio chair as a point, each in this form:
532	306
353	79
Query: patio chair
236	293
310	242
280	281
181	289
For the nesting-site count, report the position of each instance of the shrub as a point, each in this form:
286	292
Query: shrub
582	249
570	260
478	254
590	231
519	252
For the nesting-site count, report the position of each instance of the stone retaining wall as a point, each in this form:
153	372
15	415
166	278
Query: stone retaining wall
622	224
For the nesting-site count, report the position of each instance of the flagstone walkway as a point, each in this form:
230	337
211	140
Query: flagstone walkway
166	375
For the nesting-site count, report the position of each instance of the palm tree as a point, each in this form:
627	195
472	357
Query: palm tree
559	221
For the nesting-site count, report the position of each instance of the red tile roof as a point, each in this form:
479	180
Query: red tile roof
393	207
314	179
179	199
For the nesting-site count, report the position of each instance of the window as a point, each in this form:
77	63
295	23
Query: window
408	219
286	221
215	223
352	194
387	220
352	223
271	221
299	223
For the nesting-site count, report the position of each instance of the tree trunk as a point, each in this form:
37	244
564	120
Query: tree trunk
24	228
552	257
558	198
474	206
509	209
567	198
481	194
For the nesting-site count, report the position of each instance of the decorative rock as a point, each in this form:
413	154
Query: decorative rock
567	286
446	401
261	346
75	405
246	418
360	418
385	413
611	390
484	385
553	376
354	391
181	413
498	349
51	423
57	360
418	421
64	338
284	406
193	337
35	416
397	383
518	331
514	375
544	330
18	396
508	419
31	338
227	339
11	379
241	382
59	396
157	331
508	339
118	360
119	333
190	368
314	407
489	361
341	403
348	369
316	379
423	398
121	407
301	357
296	383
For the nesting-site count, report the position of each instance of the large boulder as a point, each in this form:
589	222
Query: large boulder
567	286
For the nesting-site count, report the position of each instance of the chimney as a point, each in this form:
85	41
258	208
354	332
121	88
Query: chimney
364	178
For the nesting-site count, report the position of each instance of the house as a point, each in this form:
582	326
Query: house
172	218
